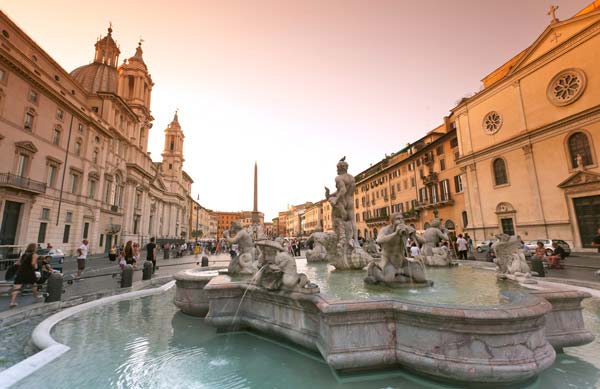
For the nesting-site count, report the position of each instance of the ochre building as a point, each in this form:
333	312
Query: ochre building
530	140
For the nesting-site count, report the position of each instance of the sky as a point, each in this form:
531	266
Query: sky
294	85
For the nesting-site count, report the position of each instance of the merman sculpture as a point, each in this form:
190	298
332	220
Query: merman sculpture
245	261
395	269
278	270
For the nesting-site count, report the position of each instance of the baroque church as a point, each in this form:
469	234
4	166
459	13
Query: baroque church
74	161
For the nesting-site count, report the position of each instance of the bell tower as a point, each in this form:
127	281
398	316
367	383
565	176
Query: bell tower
135	87
172	154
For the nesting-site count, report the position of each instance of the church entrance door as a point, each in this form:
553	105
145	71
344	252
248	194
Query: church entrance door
587	211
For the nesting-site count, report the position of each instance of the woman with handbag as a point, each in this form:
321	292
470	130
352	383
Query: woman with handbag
26	273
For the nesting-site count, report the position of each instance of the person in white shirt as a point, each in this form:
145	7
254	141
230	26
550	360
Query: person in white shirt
82	253
463	247
415	251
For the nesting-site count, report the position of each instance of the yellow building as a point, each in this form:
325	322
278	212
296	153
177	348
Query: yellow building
327	218
530	140
313	218
417	181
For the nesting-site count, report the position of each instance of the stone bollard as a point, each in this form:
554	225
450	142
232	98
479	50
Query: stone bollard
204	261
127	276
147	270
54	287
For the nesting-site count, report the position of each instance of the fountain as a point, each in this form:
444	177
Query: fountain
348	254
355	323
498	344
431	253
395	270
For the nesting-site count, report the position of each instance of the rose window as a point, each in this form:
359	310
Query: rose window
566	87
492	122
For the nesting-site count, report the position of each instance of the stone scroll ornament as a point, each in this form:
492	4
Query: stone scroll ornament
278	271
348	253
394	269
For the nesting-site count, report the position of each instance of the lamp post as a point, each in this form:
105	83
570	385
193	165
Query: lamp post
197	210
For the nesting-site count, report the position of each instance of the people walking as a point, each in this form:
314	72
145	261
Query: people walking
462	245
82	253
151	253
129	253
26	273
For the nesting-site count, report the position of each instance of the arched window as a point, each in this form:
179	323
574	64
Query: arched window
366	233
450	225
465	219
580	145
500	176
375	233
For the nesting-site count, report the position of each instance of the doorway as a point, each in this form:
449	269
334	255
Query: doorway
587	212
10	222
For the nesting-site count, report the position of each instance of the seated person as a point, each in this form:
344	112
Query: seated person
558	255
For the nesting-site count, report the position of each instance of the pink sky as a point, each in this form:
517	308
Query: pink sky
294	84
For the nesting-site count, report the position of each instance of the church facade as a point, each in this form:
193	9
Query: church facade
74	162
530	140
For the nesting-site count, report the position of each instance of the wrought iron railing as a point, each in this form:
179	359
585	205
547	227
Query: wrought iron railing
12	180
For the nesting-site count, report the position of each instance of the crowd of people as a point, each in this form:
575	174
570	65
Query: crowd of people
31	270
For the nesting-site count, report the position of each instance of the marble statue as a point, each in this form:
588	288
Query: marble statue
510	259
245	261
278	270
395	269
349	254
431	254
371	248
324	247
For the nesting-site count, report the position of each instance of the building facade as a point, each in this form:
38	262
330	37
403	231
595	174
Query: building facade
73	147
530	140
420	181
313	218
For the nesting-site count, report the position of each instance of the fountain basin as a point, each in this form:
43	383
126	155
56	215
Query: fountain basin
189	295
502	344
564	323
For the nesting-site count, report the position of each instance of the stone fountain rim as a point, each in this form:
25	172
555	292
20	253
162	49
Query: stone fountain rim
519	305
197	274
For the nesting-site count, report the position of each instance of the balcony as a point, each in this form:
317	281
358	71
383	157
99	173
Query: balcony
431	178
9	180
112	208
438	204
383	219
113	228
413	214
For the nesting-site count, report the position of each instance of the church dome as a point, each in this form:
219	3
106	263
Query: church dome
102	74
97	77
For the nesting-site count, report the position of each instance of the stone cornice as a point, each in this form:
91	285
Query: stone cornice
523	139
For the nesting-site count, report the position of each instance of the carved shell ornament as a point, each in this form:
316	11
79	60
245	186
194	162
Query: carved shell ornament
566	87
492	122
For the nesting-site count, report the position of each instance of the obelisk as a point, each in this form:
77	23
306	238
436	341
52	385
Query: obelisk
255	217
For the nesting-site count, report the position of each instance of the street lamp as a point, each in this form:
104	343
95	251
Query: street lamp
197	210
